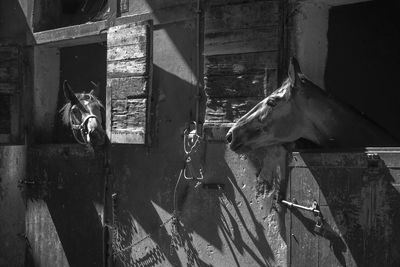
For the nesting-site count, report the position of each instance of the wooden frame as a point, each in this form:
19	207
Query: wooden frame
10	84
129	76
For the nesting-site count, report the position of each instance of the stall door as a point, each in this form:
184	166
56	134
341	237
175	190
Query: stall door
358	195
64	210
12	209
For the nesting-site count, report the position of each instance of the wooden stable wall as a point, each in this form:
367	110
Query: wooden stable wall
242	46
235	223
228	218
239	224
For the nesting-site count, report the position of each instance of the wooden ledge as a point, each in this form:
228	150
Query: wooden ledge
73	35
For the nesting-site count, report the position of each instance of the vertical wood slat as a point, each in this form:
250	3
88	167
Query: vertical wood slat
241	49
129	72
10	84
359	203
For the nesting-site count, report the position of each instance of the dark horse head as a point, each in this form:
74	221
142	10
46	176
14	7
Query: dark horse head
83	114
301	109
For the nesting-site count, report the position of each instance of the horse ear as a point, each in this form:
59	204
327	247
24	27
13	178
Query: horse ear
70	96
295	74
96	87
68	93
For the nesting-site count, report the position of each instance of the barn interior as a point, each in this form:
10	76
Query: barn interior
51	14
233	218
82	66
350	48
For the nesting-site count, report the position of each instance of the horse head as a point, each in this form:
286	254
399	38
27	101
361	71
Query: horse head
275	120
83	113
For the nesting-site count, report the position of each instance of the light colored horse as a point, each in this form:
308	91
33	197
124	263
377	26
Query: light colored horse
83	113
300	109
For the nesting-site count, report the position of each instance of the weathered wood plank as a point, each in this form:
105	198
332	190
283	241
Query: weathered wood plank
228	110
8	54
235	86
239	64
12	205
242	16
73	35
9	71
304	242
8	88
127	34
133	51
242	41
5	116
128	122
137	67
249	85
128	136
359	202
129	107
217	3
128	67
345	159
127	87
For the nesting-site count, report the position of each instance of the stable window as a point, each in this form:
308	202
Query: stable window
118	59
129	72
241	60
52	14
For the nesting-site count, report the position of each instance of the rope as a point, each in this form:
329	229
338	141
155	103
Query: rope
189	148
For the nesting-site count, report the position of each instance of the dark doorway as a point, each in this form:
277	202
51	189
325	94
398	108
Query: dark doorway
81	66
363	60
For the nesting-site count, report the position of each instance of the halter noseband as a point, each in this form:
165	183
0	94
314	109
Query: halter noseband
82	128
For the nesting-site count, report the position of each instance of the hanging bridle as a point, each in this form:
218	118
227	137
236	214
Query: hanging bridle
81	128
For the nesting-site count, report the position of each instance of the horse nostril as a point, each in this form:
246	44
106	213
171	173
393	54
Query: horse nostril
229	137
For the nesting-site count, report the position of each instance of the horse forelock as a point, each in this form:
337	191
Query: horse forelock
67	108
284	91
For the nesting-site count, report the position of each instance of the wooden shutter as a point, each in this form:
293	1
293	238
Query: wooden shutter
10	69
241	49
129	72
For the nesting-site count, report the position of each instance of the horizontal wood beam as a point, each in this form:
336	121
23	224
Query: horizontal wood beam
73	35
97	31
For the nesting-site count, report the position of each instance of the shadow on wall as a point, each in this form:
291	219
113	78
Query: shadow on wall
230	221
145	182
64	206
242	219
360	205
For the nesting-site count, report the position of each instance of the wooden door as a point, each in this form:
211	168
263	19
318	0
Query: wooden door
12	209
64	209
359	197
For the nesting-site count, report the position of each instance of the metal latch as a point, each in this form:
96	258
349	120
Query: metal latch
318	228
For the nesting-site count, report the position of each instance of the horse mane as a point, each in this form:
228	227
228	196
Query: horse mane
67	108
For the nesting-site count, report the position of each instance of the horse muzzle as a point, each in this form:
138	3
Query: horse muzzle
96	138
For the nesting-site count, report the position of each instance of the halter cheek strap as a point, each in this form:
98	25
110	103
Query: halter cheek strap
82	128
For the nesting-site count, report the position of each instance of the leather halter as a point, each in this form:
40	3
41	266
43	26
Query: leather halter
82	128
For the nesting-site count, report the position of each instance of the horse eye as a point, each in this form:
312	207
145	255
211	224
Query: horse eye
271	102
